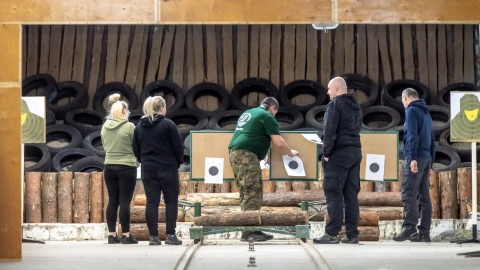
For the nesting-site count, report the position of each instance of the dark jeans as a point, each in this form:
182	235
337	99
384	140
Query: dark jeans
416	196
120	181
157	181
341	186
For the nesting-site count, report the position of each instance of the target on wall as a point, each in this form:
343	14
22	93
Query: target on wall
375	167
33	119
214	170
465	119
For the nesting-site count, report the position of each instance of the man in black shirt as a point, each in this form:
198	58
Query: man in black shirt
341	162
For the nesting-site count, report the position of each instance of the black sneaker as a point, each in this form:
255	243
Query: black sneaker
129	240
327	239
411	235
172	240
113	239
424	238
267	236
346	240
154	241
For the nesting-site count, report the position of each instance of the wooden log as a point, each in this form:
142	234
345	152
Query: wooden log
366	186
366	218
191	187
139	189
267	216
464	185
137	214
183	188
49	197
204	188
397	186
283	186
33	197
381	186
65	197
448	187
223	188
435	194
141	199
211	210
298	186
214	199
384	213
233	186
380	198
268	186
96	198
366	233
81	184
140	231
315	186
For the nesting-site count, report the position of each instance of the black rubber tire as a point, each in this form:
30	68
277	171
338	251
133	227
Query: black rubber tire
314	117
107	89
289	119
69	89
45	82
85	120
171	92
65	158
187	120
62	133
36	157
380	118
50	118
251	85
463	149
303	87
446	159
357	82
392	92
441	119
208	89
135	116
226	120
443	96
88	164
93	143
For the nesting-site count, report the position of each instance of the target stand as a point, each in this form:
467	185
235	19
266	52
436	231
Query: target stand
202	148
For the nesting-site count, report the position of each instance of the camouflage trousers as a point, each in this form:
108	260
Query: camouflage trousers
248	176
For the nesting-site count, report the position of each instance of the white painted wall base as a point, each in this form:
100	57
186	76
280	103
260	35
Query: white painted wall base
99	231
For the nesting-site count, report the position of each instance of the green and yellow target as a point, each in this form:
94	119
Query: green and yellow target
465	118
33	119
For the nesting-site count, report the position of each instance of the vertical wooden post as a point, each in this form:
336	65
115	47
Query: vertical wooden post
33	199
464	184
65	197
268	186
448	187
80	197
96	198
435	195
49	197
397	186
10	144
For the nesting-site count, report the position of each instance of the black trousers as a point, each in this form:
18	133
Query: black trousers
120	181
416	196
155	182
341	185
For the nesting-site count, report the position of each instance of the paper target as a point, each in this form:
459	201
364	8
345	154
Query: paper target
465	117
375	167
214	170
33	119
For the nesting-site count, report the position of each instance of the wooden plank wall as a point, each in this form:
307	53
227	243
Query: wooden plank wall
435	55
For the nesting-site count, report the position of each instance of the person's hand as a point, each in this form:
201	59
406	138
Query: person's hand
265	160
293	153
326	159
413	166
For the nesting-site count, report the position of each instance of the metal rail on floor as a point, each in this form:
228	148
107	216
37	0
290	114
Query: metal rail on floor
315	255
187	256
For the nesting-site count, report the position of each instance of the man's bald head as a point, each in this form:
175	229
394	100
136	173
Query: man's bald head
337	86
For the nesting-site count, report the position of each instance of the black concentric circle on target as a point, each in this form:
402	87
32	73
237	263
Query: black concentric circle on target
293	165
213	171
374	167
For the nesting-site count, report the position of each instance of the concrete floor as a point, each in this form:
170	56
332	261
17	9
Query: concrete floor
232	254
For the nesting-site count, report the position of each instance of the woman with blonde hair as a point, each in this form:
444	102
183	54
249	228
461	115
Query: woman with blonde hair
158	146
120	170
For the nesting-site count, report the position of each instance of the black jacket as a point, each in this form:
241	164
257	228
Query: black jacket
158	143
418	138
343	121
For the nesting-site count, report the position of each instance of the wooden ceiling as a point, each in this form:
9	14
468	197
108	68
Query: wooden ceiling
239	11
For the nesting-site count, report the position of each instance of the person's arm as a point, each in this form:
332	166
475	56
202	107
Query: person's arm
432	148
176	142
411	142
282	145
330	129
136	145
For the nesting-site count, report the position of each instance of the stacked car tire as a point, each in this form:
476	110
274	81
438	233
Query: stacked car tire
73	139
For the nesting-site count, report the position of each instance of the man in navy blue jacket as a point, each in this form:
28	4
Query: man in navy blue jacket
419	154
